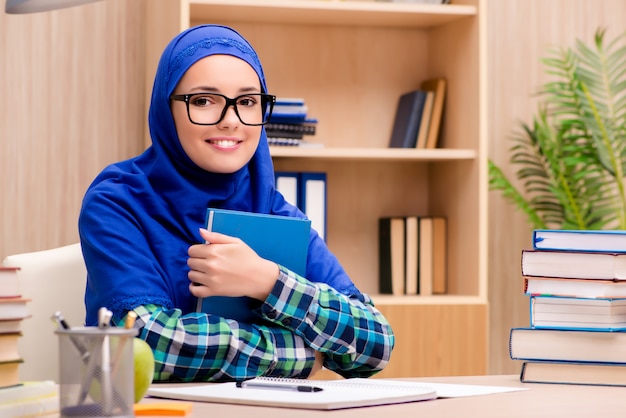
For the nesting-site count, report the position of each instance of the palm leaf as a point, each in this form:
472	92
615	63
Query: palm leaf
572	157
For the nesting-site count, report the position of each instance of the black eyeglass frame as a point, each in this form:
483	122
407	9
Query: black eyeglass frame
266	100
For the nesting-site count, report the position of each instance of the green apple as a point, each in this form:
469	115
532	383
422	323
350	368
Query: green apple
144	367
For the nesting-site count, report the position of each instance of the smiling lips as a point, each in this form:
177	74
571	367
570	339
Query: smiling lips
224	143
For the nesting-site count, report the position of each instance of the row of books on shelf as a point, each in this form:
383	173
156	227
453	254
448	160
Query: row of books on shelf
418	116
308	192
413	255
576	285
18	398
290	123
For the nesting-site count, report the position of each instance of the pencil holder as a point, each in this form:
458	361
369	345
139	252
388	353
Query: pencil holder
96	372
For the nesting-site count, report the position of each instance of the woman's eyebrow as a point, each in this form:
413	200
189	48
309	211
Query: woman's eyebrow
210	89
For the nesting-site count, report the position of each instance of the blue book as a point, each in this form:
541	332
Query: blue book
573	313
282	239
580	240
407	119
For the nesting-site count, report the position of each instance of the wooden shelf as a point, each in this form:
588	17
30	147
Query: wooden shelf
427	300
311	12
373	154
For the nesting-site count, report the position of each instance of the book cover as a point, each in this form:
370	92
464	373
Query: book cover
530	344
282	239
439	87
577	313
288	184
335	394
581	288
9	282
9	372
427	112
407	119
580	240
574	373
425	262
14	308
574	264
412	255
391	249
8	347
440	255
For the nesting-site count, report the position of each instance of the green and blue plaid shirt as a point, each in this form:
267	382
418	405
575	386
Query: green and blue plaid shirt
302	318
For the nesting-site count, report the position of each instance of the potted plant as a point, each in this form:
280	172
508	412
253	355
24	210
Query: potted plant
571	158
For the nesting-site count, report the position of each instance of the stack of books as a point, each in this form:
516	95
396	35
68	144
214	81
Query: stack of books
290	123
576	283
412	255
18	398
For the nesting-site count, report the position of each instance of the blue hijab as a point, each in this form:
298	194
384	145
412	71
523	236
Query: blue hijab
140	216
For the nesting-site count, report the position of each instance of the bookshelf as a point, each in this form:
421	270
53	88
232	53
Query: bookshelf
351	60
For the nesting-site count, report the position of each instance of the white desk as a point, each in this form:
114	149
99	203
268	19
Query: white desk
542	400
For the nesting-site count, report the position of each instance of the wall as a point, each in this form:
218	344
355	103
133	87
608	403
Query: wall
72	102
520	33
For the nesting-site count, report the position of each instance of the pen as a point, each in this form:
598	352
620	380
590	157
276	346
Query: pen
129	322
104	321
62	324
293	388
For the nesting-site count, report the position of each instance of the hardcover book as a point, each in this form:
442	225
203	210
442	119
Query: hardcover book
392	255
438	86
9	282
574	264
580	240
578	313
581	288
573	373
282	239
567	345
407	119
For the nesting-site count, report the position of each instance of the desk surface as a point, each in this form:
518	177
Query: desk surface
541	400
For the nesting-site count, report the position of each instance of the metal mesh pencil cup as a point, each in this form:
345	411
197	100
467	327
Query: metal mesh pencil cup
96	373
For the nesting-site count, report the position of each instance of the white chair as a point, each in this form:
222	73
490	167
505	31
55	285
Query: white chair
54	280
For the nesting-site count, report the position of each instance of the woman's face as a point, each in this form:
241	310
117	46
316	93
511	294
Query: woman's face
228	145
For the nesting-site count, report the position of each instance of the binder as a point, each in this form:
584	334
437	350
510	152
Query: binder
313	200
288	184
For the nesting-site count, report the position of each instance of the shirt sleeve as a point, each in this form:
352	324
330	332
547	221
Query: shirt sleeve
302	318
353	335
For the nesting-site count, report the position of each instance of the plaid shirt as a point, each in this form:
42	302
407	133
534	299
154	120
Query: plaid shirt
301	317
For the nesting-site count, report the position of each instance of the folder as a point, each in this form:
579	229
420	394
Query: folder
313	200
288	184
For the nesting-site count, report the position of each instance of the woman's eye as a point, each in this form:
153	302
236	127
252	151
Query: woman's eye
201	101
246	102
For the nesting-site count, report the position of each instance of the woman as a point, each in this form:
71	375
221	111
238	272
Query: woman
145	249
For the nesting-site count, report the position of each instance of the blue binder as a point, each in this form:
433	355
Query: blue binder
313	200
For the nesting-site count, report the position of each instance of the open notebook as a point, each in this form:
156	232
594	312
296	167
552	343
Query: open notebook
335	394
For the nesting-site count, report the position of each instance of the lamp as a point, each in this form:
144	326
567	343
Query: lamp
34	6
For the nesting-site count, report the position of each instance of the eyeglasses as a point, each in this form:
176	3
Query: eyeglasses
209	108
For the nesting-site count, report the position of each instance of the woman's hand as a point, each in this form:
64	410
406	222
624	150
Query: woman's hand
229	267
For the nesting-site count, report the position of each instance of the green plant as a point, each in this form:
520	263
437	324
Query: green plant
572	157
